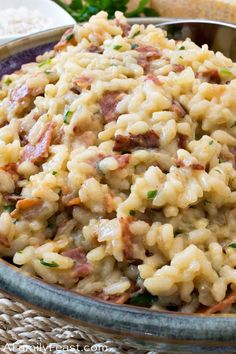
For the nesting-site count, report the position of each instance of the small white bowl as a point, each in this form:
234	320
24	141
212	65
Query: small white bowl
45	7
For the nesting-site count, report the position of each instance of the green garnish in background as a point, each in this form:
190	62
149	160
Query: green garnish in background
145	299
81	11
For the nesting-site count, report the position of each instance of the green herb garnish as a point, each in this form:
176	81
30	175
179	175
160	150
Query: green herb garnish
49	264
117	47
136	34
218	171
225	71
182	47
8	208
19	252
181	57
211	142
232	245
152	194
81	11
69	37
145	299
8	81
132	212
67	116
45	62
221	160
54	173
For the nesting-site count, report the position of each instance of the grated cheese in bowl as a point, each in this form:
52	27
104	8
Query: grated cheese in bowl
23	21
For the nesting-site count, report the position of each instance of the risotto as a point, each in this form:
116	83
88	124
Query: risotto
117	168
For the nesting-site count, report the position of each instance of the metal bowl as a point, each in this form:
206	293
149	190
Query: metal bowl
142	328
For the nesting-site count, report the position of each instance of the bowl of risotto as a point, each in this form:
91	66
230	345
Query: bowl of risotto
118	182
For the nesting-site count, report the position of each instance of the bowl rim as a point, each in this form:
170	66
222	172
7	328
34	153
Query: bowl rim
141	323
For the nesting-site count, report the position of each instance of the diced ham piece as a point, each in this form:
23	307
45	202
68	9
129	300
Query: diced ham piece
182	141
25	205
4	241
153	78
67	38
82	82
21	97
95	49
229	300
194	166
115	299
81	268
147	53
212	76
129	142
108	104
179	109
127	237
177	68
123	160
37	153
124	26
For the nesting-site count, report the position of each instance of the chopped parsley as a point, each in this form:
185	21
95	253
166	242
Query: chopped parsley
67	116
8	208
69	36
45	62
181	57
54	173
8	81
133	46
232	245
47	71
135	34
49	264
225	71
152	194
145	299
182	47
218	171
132	212
19	252
117	47
211	142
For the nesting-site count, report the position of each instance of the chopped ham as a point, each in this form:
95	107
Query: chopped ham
124	26
82	82
116	299
108	104
179	109
212	76
37	153
177	68
22	96
129	142
95	49
24	205
66	39
123	160
13	197
194	166
182	141
229	300
127	238
4	241
153	78
81	268
147	53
